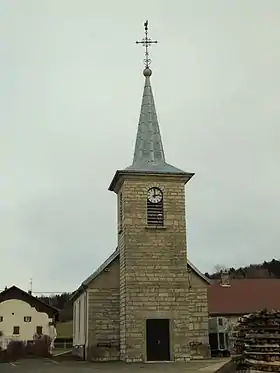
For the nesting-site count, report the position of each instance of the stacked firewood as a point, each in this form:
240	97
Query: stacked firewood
258	341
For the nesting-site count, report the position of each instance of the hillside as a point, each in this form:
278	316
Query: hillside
61	302
264	270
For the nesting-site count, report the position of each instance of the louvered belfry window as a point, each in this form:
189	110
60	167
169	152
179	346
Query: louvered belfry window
120	213
155	217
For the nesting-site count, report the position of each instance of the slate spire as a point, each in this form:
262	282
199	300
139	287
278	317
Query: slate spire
148	146
148	152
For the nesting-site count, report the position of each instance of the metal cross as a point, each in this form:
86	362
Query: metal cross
147	42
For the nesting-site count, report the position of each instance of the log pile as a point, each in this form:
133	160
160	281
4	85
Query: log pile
258	341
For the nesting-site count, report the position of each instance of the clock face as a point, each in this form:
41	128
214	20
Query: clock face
154	195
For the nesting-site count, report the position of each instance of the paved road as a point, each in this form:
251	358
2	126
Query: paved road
64	366
45	365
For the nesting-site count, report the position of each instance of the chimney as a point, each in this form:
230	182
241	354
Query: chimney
225	279
30	287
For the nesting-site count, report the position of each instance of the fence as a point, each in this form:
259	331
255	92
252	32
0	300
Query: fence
63	344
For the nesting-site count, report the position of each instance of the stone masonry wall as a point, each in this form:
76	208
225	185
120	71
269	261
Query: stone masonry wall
198	308
104	315
153	268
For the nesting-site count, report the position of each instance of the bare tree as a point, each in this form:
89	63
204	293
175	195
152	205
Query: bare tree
219	268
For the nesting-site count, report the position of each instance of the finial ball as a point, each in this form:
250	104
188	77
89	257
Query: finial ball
147	71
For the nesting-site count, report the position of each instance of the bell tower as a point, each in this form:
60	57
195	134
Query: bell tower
154	313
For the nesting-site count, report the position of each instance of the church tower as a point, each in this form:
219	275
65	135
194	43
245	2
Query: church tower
154	287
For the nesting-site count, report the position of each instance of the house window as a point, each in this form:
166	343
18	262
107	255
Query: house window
79	317
1	318
16	330
155	209
27	318
39	330
220	321
120	200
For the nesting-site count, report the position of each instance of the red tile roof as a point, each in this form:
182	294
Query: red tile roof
244	296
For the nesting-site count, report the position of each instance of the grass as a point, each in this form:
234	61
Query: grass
64	329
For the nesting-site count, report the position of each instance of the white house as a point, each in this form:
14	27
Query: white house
23	315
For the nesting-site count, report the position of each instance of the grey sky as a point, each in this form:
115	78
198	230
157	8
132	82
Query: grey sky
71	85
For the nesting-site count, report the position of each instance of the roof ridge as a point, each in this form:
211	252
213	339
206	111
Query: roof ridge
109	260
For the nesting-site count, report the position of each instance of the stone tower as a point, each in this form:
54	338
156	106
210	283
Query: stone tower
154	315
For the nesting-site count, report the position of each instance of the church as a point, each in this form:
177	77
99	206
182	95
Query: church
147	302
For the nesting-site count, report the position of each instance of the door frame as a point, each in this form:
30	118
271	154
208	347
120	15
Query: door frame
165	317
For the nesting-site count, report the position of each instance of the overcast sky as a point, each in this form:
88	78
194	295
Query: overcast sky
70	92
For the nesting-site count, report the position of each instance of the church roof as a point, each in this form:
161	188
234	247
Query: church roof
109	260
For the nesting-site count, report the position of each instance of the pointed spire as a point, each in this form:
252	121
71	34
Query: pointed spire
149	153
148	146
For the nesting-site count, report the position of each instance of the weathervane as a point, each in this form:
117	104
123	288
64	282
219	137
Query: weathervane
146	42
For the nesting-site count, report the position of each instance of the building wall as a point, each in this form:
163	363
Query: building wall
232	321
153	268
198	308
13	312
80	324
104	315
